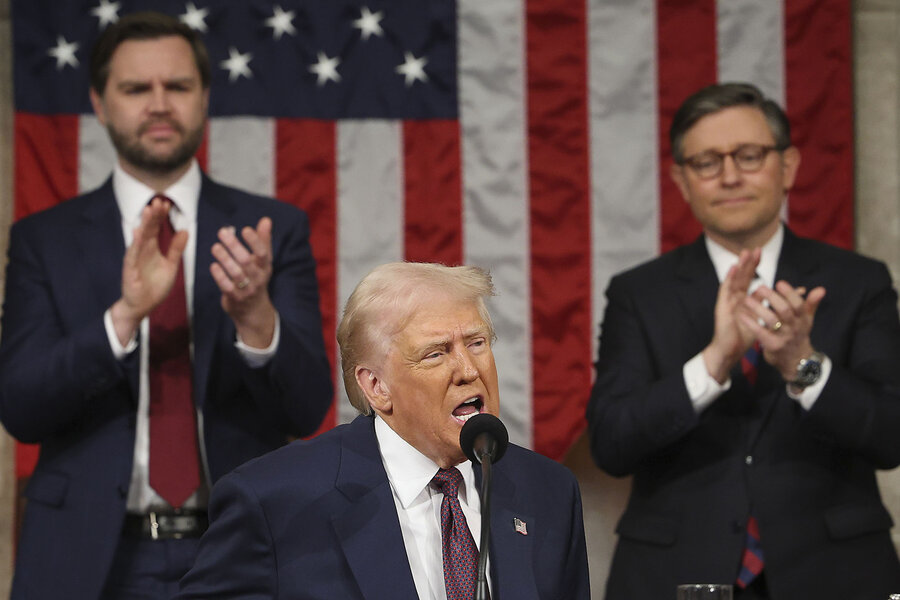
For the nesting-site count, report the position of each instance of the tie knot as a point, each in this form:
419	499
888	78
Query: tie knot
448	480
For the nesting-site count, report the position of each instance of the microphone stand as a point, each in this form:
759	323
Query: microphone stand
485	457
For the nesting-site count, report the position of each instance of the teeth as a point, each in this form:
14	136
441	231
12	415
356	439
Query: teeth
467	417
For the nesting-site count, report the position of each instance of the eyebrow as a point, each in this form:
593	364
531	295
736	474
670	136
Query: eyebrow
188	81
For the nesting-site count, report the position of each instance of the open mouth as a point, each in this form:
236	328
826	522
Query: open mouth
468	409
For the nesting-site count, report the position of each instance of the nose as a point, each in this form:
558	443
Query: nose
730	174
159	100
466	371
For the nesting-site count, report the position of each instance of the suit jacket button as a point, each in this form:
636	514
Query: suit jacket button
748	460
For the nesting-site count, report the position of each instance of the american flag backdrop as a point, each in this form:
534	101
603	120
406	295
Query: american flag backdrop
525	136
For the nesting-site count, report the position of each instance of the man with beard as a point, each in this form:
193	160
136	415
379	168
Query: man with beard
144	368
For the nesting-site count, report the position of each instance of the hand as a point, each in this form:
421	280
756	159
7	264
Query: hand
731	338
242	274
781	319
147	274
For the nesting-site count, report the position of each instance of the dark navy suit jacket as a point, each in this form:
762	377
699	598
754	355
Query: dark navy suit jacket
61	386
317	520
808	477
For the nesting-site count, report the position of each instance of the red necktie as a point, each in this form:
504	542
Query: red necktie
459	549
174	457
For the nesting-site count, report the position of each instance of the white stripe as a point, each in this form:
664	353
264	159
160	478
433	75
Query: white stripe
491	51
242	153
96	155
624	140
369	210
750	37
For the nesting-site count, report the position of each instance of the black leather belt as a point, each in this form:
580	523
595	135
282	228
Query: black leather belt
170	525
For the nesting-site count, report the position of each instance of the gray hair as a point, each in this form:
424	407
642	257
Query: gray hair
714	98
384	302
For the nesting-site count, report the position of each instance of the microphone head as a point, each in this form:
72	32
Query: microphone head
489	425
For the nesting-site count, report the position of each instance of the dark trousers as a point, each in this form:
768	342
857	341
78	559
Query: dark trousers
149	569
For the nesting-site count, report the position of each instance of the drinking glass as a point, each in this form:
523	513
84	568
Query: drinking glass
704	591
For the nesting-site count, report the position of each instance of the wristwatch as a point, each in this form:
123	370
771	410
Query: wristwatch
809	370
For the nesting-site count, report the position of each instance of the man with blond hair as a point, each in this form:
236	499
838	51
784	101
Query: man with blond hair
360	511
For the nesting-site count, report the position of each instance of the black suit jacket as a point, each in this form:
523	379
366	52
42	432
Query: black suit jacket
317	520
61	386
808	477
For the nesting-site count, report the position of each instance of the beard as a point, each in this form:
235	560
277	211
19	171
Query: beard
131	149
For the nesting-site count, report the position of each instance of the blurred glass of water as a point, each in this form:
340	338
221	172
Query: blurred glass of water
704	591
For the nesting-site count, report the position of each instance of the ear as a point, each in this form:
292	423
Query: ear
375	390
97	103
676	172
790	164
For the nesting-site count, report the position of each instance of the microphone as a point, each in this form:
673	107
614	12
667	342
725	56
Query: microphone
484	435
484	439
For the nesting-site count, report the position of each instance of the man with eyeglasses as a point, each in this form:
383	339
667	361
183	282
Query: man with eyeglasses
750	383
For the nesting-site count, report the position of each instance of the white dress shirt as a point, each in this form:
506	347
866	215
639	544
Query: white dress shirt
702	387
132	196
418	506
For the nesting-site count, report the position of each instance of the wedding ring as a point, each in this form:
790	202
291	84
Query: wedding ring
246	281
777	325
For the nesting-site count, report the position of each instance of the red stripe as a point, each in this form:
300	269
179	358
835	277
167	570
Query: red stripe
305	176
686	61
203	151
559	179
752	562
46	151
46	157
433	197
820	107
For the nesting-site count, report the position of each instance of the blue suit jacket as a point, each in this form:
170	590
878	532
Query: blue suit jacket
61	386
316	520
807	476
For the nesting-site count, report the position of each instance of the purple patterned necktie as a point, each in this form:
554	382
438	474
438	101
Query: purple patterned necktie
460	552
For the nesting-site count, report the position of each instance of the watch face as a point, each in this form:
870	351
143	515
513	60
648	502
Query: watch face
808	372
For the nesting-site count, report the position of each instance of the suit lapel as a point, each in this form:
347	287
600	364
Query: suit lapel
697	289
214	211
511	552
101	239
369	529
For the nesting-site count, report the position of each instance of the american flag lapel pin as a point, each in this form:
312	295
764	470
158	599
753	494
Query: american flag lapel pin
520	526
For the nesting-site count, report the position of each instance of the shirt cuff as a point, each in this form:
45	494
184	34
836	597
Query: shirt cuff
702	388
807	398
257	357
118	350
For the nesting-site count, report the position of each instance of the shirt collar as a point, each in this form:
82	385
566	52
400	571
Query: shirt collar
408	470
723	259
132	195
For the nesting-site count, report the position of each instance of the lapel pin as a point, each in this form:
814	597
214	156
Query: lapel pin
520	526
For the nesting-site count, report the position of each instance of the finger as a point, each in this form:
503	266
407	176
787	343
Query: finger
259	240
225	283
177	246
229	241
764	316
791	295
815	297
776	302
225	259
